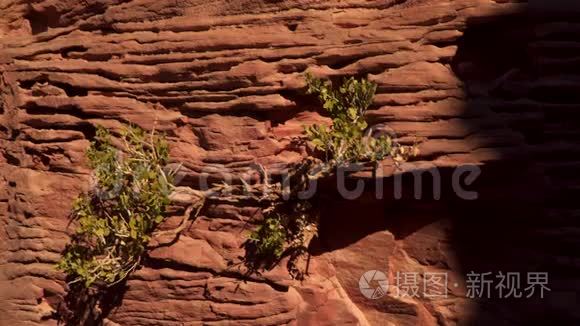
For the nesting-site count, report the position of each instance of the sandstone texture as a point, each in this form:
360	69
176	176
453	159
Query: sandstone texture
474	82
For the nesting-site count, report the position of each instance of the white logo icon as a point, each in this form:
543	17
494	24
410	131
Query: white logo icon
373	284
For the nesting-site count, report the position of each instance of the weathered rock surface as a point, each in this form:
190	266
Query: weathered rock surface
471	81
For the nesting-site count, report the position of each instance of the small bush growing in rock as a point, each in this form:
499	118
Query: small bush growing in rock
270	238
117	217
346	141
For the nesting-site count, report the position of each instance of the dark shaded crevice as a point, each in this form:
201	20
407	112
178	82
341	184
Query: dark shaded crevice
353	42
44	79
41	21
88	129
292	27
273	58
33	108
65	53
14	133
70	90
27	84
111	76
10	159
275	116
44	157
258	116
442	43
340	63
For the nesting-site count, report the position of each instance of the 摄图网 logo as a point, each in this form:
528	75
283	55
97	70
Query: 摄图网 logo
373	284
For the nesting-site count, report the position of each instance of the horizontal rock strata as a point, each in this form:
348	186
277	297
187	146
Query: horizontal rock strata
469	81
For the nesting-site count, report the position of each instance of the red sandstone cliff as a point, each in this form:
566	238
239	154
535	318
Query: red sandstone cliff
224	80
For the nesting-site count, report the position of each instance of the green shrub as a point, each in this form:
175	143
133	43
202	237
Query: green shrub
346	141
349	139
117	217
269	238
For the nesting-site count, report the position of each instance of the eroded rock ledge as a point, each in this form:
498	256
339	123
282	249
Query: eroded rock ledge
224	80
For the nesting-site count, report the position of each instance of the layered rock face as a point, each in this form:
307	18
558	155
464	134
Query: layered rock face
473	82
